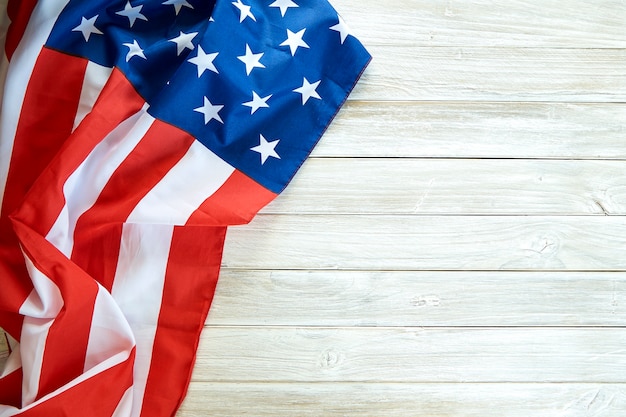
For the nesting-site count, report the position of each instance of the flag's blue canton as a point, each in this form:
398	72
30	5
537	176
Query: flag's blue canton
257	84
108	48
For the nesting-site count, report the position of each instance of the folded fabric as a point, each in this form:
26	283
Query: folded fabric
132	133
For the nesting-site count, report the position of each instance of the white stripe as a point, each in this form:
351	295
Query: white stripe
115	336
34	336
40	309
96	77
184	188
95	171
7	411
4	62
22	63
138	291
109	332
45	300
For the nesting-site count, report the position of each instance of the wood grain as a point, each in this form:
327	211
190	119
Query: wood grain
456	245
417	298
4	350
516	23
477	130
428	243
399	400
285	354
455	186
494	74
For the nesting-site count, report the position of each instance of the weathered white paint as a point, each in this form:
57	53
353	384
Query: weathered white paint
434	186
462	129
419	298
405	354
515	23
458	239
220	399
469	73
401	242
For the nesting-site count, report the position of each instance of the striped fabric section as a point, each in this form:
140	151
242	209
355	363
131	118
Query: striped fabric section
104	152
108	151
113	219
107	148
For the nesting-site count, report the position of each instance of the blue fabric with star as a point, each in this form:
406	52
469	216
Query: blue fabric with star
160	23
257	84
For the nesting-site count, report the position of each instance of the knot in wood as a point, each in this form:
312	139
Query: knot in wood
330	359
426	301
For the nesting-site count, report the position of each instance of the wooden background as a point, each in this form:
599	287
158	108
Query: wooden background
456	246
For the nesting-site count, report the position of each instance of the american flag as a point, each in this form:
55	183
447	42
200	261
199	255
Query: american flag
132	133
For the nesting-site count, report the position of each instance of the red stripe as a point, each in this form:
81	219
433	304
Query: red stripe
95	397
116	103
190	280
97	252
16	286
19	12
11	322
11	389
98	231
46	120
68	336
235	202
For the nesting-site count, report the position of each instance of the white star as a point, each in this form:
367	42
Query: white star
308	90
251	60
204	61
244	11
257	102
266	149
342	28
134	50
210	111
87	27
132	13
184	40
284	5
294	40
178	4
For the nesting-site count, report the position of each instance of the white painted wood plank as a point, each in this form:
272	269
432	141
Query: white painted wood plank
404	400
366	298
285	354
534	23
479	59
494	74
455	186
480	130
4	349
428	242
